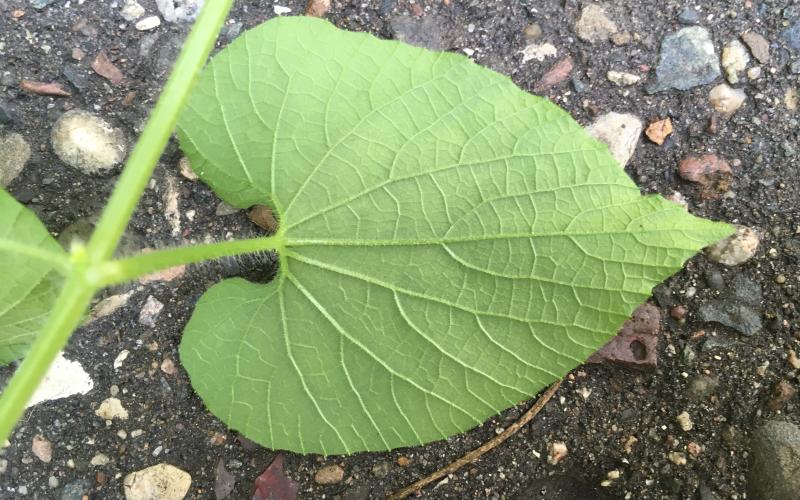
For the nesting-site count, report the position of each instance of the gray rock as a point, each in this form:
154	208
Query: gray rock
14	154
427	32
714	280
687	60
87	142
76	490
689	16
41	4
795	68
775	470
737	309
6	113
76	77
792	35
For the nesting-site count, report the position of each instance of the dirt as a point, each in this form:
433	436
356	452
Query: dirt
595	428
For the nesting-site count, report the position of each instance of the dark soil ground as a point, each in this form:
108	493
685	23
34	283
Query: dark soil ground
622	403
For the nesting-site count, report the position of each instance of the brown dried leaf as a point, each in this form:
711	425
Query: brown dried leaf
658	131
273	484
41	88
103	66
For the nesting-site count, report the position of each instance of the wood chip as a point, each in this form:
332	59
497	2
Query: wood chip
659	131
41	88
103	66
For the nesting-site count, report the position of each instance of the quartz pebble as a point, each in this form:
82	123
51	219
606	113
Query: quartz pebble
725	99
556	452
685	421
594	25
735	249
14	155
110	409
87	142
330	474
148	23
620	132
734	60
162	482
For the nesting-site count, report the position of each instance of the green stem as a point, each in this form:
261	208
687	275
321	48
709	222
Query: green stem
122	270
157	132
79	290
64	318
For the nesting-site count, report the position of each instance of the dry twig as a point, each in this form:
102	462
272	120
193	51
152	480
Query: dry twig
481	450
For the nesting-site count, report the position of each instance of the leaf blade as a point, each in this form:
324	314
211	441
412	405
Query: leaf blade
453	244
29	260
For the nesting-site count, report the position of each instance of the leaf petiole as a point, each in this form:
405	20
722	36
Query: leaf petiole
130	268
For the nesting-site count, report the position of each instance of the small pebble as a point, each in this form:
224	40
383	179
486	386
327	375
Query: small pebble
42	448
87	142
330	474
677	457
780	279
148	23
110	409
678	312
685	421
623	79
735	249
556	452
100	460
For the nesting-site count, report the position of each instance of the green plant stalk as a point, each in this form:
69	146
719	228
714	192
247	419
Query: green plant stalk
127	269
79	287
157	132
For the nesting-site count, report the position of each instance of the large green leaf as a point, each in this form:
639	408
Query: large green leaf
29	282
452	243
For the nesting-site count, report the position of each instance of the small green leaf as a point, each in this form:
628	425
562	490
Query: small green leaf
452	244
28	259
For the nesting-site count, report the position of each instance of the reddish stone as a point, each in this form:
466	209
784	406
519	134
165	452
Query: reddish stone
712	173
781	393
557	74
637	341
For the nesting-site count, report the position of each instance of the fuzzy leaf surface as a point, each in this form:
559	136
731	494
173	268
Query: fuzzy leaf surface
29	283
452	244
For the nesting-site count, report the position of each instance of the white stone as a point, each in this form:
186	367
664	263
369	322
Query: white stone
121	357
132	10
110	409
179	10
100	460
148	23
281	10
726	100
159	482
538	52
735	249
754	73
14	154
734	60
108	306
87	142
623	79
620	132
150	311
64	378
685	421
